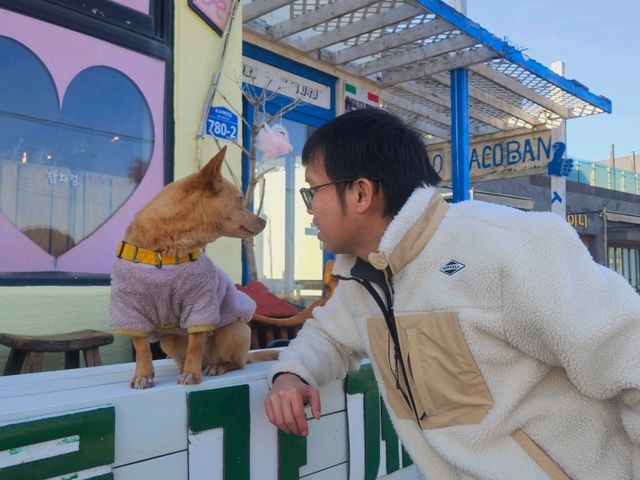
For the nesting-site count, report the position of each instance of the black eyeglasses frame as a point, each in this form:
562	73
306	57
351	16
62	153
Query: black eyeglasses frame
307	192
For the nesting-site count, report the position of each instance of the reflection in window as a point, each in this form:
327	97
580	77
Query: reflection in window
288	253
626	261
67	166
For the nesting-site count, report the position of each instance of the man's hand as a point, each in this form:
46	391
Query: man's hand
285	404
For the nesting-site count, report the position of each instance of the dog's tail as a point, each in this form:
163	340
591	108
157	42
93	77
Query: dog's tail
263	355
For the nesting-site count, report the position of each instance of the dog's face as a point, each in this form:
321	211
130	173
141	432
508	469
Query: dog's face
222	203
194	211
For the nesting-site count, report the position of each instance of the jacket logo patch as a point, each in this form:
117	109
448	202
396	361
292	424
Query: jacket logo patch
452	267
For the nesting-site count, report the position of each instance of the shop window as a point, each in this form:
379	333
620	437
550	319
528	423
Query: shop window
626	261
81	145
289	256
288	253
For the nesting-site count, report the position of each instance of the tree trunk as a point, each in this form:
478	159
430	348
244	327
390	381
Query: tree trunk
250	255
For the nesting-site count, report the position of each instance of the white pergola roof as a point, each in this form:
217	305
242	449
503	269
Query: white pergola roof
406	49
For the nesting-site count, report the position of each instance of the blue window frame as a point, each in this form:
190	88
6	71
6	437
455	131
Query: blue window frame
290	259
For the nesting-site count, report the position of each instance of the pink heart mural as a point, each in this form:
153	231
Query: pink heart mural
81	150
82	160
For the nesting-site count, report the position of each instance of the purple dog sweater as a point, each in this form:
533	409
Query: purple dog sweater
188	297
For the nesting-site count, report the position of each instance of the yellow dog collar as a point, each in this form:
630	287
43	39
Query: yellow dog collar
134	254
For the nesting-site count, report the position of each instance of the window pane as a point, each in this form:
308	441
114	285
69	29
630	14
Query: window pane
64	171
288	254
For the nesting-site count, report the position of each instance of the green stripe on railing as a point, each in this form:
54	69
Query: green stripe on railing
363	381
390	438
292	454
226	408
96	432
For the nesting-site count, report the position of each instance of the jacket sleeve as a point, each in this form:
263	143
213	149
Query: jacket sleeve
566	310
327	346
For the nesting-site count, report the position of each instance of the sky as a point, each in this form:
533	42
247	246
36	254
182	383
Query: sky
600	45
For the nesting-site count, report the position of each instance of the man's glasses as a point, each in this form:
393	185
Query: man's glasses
307	193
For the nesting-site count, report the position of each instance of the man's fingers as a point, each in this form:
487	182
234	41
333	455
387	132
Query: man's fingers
313	397
272	405
290	413
297	408
268	409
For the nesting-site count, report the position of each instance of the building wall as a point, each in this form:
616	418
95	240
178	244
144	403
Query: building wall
581	198
197	54
33	310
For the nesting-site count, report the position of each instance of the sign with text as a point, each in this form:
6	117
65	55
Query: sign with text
261	75
222	124
521	155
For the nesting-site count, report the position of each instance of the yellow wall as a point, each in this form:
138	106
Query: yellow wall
49	310
197	56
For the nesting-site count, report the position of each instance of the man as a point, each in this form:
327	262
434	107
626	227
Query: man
502	351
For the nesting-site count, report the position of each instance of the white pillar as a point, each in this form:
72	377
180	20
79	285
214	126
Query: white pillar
459	5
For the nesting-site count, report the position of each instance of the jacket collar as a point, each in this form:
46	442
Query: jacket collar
407	234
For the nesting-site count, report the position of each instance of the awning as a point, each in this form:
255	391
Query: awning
406	49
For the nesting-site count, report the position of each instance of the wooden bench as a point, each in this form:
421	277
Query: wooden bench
27	351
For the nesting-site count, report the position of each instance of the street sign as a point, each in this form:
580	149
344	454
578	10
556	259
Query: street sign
222	124
525	154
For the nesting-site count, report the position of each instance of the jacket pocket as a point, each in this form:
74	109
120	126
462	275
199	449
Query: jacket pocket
444	376
542	458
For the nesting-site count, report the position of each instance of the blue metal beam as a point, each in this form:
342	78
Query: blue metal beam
472	29
460	174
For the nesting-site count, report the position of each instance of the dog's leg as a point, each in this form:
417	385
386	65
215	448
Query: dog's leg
192	370
143	377
228	348
175	346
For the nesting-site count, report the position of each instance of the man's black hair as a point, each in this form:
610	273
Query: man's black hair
377	145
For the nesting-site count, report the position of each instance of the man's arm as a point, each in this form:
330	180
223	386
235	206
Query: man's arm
326	347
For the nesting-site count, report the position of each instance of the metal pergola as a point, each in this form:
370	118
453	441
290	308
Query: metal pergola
425	57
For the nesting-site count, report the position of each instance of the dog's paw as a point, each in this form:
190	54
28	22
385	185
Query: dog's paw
140	383
188	378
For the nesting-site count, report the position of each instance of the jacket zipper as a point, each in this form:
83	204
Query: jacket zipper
390	321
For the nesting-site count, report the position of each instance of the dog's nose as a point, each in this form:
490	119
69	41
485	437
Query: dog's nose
263	223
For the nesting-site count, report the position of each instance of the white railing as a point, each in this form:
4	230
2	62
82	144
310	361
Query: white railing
88	424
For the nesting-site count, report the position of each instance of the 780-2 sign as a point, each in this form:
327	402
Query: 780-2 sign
222	124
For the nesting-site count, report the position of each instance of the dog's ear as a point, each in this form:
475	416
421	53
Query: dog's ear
210	173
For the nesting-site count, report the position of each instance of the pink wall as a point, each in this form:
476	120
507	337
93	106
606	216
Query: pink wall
66	53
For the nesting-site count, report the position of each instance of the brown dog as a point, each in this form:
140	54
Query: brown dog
164	287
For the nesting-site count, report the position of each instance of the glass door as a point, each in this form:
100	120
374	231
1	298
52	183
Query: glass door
288	253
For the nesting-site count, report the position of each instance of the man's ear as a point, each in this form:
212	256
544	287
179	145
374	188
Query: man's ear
364	192
210	173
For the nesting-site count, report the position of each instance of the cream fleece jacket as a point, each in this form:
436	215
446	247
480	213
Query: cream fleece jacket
555	337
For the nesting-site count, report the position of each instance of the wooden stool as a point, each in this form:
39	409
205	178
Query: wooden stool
28	350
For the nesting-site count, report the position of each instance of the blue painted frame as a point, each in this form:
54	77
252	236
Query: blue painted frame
460	168
472	29
303	113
